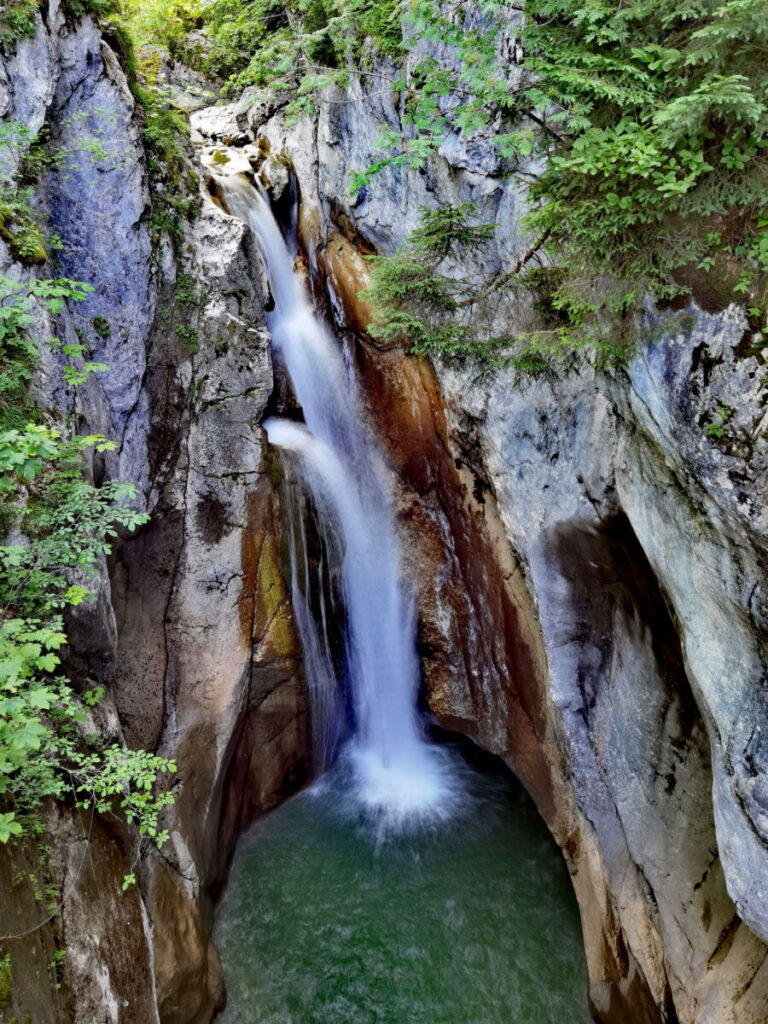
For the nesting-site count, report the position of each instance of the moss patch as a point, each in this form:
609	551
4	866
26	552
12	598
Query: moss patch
6	982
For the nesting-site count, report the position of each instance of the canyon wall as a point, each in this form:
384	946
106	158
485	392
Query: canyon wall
592	567
191	631
591	562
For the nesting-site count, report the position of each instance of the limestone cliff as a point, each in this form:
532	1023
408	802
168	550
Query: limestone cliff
591	563
191	631
592	567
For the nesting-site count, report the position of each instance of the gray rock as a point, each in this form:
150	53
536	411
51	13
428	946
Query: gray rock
192	633
98	200
95	197
185	88
624	677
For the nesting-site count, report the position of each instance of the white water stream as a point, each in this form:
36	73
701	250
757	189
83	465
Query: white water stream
395	770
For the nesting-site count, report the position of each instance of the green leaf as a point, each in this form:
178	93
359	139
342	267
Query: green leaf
9	826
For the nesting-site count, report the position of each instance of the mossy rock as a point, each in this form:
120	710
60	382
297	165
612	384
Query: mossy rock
101	326
6	982
272	603
22	234
30	251
32	255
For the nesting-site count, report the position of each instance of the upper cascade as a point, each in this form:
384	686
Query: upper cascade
396	771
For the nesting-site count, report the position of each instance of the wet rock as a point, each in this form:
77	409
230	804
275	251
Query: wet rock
347	276
232	124
204	625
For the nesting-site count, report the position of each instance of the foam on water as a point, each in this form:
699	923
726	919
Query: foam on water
327	920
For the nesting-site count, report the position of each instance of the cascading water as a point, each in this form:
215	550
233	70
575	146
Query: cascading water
324	695
327	919
395	770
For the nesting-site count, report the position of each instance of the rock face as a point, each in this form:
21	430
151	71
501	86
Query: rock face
634	606
95	196
208	667
591	562
593	558
191	632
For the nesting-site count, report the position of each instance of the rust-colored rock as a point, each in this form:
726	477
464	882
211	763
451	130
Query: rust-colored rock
484	663
476	617
348	275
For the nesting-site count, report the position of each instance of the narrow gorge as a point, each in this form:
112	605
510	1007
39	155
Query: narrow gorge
468	650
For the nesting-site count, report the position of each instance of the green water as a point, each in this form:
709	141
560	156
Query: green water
472	921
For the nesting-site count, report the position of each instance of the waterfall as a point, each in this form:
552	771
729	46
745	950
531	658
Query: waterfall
394	769
327	715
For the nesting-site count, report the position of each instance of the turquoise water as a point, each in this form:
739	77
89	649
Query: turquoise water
471	921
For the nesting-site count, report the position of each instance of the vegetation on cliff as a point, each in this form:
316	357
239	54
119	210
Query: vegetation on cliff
421	295
656	166
58	526
648	121
650	126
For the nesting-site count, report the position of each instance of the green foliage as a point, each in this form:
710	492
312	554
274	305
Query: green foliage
69	524
382	24
20	230
660	160
481	83
165	131
17	20
162	22
97	8
651	119
299	46
186	291
250	40
50	745
56	966
446	232
655	130
419	296
101	326
9	826
18	352
6	978
186	301
653	124
717	425
49	748
21	160
189	337
176	199
126	779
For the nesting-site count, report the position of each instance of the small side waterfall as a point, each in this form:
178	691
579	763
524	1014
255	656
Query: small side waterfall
395	770
324	696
